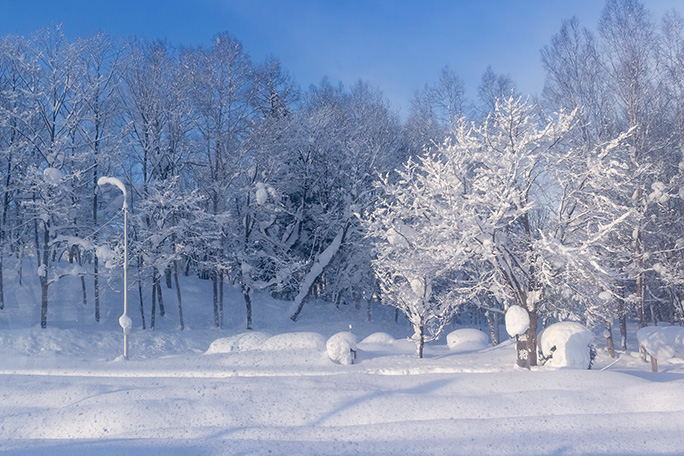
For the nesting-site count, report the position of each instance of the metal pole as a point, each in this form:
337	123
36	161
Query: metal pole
124	320
125	268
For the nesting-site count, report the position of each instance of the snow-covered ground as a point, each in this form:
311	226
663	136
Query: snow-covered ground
67	391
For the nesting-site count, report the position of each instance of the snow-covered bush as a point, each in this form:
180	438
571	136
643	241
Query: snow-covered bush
295	340
467	339
341	347
662	342
379	338
567	344
252	340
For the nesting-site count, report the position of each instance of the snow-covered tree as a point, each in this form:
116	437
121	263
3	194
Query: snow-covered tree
422	268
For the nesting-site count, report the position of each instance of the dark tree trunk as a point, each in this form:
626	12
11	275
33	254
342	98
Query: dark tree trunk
154	305
220	303
493	324
622	319
178	295
214	283
96	286
140	297
532	338
609	338
2	292
247	294
522	350
162	312
44	283
83	291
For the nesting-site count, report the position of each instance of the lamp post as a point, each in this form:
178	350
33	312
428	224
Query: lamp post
125	321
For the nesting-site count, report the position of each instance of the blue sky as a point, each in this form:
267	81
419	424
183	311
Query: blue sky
398	45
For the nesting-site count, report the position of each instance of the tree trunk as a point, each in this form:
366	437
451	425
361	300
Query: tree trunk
142	309
220	307
622	319
522	350
167	275
44	283
214	283
247	294
154	305
2	293
493	323
421	340
321	261
609	338
96	286
640	287
83	291
162	312
532	338
178	295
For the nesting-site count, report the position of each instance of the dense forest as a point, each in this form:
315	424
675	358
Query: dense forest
568	204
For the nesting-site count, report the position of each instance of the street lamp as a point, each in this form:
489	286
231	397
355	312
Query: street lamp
125	321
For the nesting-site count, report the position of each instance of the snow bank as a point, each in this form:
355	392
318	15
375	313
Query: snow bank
341	347
467	339
517	321
567	344
662	342
295	341
252	340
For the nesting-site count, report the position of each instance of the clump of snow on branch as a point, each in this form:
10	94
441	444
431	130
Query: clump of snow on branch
261	193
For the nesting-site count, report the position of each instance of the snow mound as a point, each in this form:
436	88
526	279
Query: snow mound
252	340
294	341
379	338
517	321
567	344
341	347
467	339
662	342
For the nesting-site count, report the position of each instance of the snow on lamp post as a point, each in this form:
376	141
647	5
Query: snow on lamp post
125	321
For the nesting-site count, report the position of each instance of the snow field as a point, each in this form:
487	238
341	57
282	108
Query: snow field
206	391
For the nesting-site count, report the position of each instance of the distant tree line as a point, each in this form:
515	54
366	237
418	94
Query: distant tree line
569	205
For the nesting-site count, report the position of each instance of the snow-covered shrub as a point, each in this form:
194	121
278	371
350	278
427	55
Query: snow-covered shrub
662	342
467	339
341	347
295	341
252	340
567	344
379	338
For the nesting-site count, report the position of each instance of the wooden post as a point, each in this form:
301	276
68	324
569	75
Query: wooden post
654	364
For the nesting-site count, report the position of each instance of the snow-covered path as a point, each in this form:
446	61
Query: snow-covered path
125	408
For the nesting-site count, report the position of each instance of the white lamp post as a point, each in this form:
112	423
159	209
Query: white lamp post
125	321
